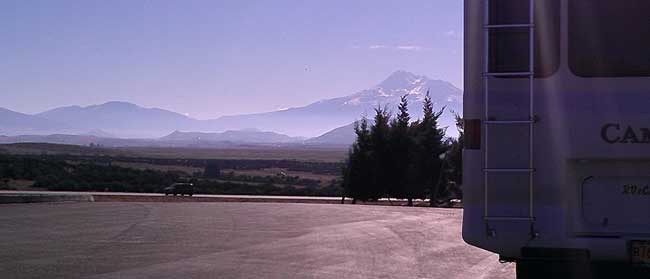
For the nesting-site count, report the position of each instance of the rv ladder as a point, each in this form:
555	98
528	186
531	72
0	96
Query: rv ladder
528	170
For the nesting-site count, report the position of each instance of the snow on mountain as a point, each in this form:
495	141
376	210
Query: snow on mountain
415	87
323	116
128	120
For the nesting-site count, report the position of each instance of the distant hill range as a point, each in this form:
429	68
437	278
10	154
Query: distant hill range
344	135
122	119
16	123
241	136
327	121
176	139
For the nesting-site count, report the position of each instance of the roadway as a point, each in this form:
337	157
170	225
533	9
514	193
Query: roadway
237	240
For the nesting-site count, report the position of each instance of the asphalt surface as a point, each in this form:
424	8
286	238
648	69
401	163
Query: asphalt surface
44	196
237	240
12	192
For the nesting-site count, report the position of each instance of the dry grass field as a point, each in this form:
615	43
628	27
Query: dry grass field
256	153
144	166
250	167
324	178
19	184
311	155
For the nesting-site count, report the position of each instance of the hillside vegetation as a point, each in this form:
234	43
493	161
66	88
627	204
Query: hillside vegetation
129	174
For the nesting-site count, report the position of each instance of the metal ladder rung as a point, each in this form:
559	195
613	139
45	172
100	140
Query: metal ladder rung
506	122
508	74
525	73
508	218
509	170
503	26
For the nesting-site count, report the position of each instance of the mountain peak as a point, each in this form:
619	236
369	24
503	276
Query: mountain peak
402	79
402	74
124	119
117	104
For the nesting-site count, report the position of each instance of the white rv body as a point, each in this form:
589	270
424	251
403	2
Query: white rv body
589	195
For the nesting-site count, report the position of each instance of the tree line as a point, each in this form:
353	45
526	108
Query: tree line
326	168
60	175
395	157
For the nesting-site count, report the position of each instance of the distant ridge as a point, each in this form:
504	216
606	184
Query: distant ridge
121	119
175	139
98	133
13	123
241	136
343	135
127	120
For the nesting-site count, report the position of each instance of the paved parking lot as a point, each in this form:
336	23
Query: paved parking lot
237	240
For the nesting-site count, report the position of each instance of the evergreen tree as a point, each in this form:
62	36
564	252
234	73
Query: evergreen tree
429	147
401	145
381	153
398	158
346	182
415	182
455	160
358	175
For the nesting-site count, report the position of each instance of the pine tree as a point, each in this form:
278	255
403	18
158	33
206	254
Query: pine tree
415	186
455	160
381	153
358	175
401	144
346	172
396	158
429	147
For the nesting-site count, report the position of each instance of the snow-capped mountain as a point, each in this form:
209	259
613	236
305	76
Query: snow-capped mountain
415	87
320	117
123	119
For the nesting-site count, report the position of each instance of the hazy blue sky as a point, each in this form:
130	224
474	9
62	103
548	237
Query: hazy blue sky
213	58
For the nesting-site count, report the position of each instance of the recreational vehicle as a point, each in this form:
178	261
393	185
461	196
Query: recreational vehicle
557	125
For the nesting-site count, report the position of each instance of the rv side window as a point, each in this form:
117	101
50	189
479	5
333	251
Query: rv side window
509	48
609	38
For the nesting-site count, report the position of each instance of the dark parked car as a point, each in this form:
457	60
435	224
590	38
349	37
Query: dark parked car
180	189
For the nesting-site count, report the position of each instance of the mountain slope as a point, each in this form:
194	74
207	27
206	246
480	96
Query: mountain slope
121	118
323	116
340	136
175	139
14	123
128	120
98	133
241	136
